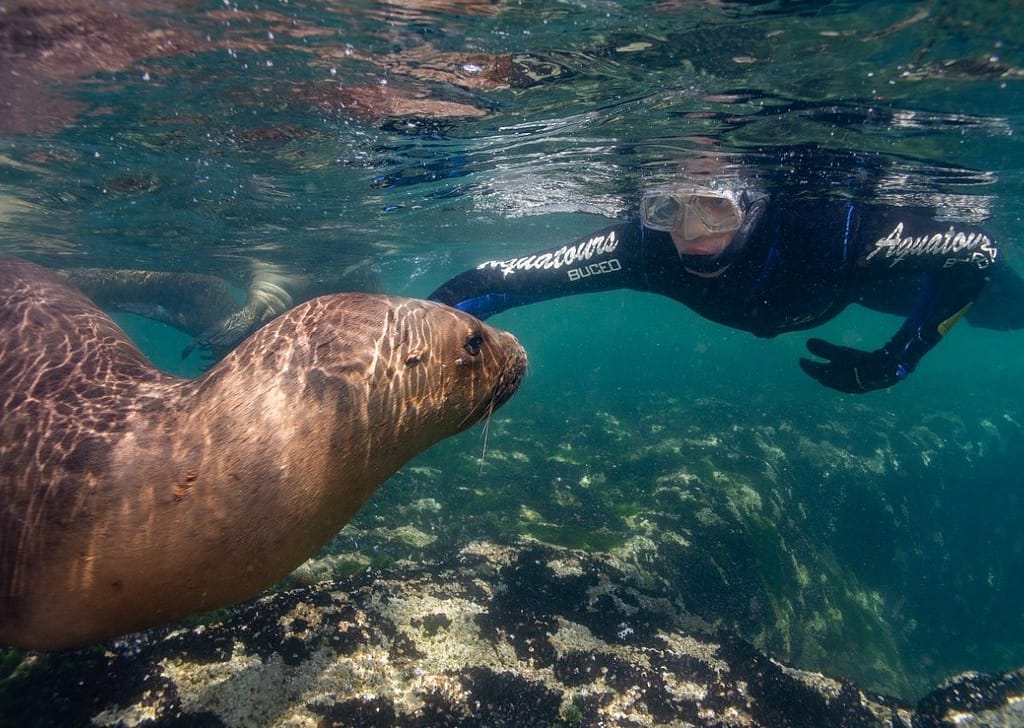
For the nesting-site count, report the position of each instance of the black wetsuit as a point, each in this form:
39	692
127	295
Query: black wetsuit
801	264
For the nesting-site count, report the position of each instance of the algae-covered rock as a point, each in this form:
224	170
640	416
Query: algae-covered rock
521	634
498	635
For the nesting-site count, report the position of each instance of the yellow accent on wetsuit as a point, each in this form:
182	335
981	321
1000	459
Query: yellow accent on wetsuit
949	323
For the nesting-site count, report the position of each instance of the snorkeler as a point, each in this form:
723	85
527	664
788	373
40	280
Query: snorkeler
770	264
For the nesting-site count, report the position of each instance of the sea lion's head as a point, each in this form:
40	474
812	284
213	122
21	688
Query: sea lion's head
419	360
403	371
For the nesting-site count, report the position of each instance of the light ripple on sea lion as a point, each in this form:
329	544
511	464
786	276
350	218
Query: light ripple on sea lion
130	498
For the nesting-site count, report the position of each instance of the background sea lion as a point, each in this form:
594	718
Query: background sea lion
190	302
206	307
130	498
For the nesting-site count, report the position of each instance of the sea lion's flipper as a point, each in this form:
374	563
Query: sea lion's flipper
266	299
209	308
190	302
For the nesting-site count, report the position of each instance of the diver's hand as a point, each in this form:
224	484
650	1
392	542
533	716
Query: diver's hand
851	370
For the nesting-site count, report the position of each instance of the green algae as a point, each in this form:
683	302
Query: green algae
10	659
575	536
756	522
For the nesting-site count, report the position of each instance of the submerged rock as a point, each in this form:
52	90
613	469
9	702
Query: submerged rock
519	635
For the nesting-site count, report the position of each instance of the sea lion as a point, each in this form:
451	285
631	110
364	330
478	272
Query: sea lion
130	498
206	307
190	302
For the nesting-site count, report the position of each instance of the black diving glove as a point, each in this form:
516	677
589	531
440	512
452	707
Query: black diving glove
851	370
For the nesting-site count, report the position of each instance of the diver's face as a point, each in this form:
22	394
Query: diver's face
700	222
706	231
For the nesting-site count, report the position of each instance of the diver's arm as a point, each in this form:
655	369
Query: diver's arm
949	261
854	371
606	260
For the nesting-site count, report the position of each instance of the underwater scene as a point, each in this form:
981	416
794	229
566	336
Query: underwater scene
669	522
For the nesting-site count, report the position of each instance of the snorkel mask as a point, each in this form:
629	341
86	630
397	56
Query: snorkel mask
697	212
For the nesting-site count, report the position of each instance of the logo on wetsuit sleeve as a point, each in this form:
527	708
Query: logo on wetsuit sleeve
956	245
564	256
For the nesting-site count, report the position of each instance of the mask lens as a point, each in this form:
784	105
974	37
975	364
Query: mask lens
693	215
660	211
709	215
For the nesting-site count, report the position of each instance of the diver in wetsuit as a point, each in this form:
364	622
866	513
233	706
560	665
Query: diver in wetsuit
770	265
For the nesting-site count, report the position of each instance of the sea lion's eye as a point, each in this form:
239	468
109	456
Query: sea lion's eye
473	344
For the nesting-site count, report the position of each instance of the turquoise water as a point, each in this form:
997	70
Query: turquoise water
873	537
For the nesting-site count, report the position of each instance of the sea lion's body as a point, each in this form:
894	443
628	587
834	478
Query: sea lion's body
130	498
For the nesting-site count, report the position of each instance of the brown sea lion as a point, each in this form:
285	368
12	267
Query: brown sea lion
130	498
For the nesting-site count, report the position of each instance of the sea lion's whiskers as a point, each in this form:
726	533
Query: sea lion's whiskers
487	429
475	415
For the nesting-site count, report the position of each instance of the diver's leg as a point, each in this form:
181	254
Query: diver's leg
1000	305
1001	302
